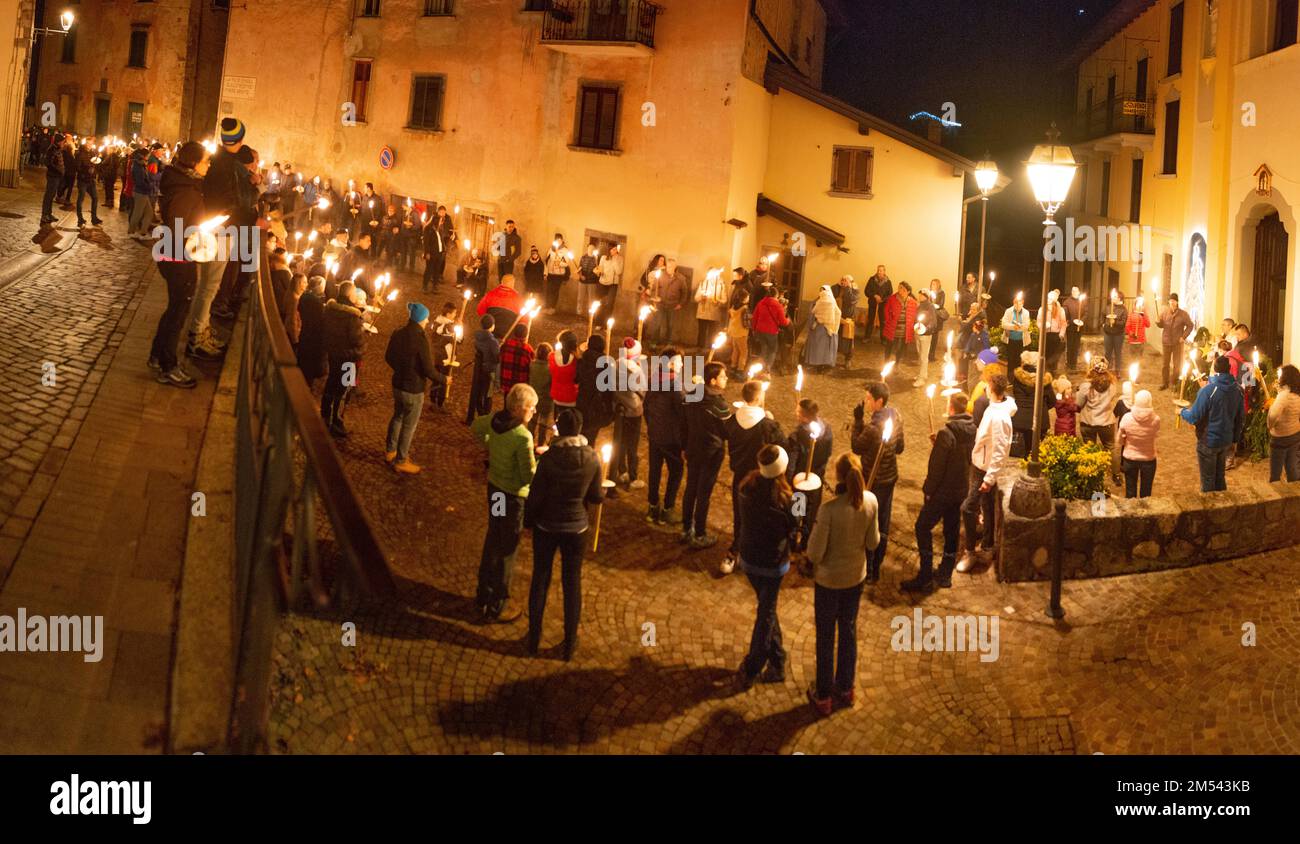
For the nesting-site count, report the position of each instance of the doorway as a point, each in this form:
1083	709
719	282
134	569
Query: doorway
134	123
101	116
1268	293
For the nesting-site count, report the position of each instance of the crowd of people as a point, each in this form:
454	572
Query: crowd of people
797	499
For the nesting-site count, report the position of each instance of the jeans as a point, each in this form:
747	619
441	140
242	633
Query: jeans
894	348
141	219
505	267
885	505
1170	363
1284	458
571	547
210	274
608	299
663	326
701	476
401	428
51	191
705	329
588	293
933	512
1113	344
836	610
181	278
923	345
627	434
1104	434
84	188
659	456
1138	475
765	646
497	565
978	503
334	398
1213	465
764	348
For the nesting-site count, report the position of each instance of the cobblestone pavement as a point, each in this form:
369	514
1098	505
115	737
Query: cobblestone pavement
96	472
1153	663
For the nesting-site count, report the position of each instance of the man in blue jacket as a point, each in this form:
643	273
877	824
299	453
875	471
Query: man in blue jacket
1219	416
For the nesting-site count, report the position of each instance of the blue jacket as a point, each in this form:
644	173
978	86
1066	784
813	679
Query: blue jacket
1220	405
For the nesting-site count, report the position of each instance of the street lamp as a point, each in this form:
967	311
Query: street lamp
66	20
1051	170
986	178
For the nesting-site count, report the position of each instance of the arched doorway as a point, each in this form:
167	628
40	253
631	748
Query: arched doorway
1268	288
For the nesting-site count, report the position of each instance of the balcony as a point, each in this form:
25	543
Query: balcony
601	27
1125	114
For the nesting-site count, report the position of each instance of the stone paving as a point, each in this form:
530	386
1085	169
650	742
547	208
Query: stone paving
96	474
1141	664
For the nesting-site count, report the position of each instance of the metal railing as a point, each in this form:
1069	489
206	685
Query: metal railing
617	21
301	535
1125	113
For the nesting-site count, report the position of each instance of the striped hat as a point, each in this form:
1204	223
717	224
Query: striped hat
232	130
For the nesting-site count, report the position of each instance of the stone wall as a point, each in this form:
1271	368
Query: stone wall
1148	534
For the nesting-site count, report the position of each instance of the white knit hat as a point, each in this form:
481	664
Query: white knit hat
777	467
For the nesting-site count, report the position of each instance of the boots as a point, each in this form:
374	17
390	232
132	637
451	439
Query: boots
924	580
943	576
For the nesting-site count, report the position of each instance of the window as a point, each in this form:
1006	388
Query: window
360	87
139	47
1104	210
597	117
70	46
537	5
1175	41
1135	192
221	5
426	102
851	170
368	8
1284	23
437	8
1171	138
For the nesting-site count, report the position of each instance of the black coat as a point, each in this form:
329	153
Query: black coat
180	197
1022	390
595	405
797	446
706	431
411	359
344	332
948	479
665	417
311	339
744	444
566	481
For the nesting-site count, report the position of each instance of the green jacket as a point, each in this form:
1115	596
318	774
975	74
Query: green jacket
511	459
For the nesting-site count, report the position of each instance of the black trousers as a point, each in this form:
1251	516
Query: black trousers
705	329
334	398
52	185
553	285
701	476
433	269
836	611
976	503
932	513
659	457
627	434
108	192
480	393
1138	475
505	267
571	547
496	566
1072	335
84	188
181	277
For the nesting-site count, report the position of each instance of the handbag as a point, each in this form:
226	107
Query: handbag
941	314
846	329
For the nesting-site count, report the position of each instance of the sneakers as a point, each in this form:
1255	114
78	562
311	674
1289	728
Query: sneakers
668	516
920	583
708	540
821	705
653	515
728	564
638	484
406	467
508	614
155	365
686	538
390	456
772	674
177	377
95	221
204	346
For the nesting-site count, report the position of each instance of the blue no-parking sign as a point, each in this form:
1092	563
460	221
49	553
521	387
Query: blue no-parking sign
387	158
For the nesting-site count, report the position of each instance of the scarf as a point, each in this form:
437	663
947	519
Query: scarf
825	311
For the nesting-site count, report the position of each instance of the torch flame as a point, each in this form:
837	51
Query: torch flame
595	306
720	340
798	380
886	369
392	295
888	431
605	452
754	370
929	391
814	429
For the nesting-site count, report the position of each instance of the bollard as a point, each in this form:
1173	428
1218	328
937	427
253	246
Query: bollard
1054	609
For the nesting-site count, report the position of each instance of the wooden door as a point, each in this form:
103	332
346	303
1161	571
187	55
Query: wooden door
1268	296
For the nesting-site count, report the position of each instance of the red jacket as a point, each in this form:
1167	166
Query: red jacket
564	379
500	297
1136	328
892	307
769	317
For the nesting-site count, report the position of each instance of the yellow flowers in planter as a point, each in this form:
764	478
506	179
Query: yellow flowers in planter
1074	469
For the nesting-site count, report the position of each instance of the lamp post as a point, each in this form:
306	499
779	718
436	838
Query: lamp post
1051	169
986	177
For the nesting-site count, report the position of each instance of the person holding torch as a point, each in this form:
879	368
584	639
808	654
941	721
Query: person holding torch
871	418
947	482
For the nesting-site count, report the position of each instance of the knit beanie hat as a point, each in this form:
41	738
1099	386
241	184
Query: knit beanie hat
232	130
418	312
569	422
777	467
633	347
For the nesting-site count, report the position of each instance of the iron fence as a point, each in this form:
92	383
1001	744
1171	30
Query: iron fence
618	21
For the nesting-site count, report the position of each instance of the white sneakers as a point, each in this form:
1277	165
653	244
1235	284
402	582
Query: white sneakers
728	564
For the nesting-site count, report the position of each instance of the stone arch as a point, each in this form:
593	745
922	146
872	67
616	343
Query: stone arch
1251	211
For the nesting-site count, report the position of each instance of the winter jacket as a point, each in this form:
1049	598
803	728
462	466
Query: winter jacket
671	290
539	378
504	303
1067	413
311	339
144	180
409	356
1135	329
54	163
765	530
587	270
1220	406
841	538
534	274
1097	409
1117	325
227	189
748	430
738	322
1137	434
846	296
927	315
1012	317
566	481
665	415
711	298
437	236
769	317
595	405
516	363
487	350
882	287
1284	414
630	384
564	379
511	461
993	439
867	441
181	200
893	308
1022	390
706	425
1176	327
947	480
797	446
85	166
344	332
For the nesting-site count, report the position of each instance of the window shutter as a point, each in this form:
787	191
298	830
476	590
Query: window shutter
843	170
861	182
608	109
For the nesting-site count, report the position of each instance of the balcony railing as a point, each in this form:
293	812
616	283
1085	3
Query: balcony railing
1125	113
601	21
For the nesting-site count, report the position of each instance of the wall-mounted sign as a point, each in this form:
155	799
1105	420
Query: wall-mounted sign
1138	107
239	87
387	158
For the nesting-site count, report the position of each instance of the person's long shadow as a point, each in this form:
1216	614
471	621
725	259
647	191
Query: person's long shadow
727	732
585	705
